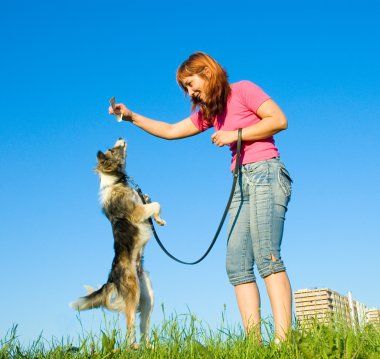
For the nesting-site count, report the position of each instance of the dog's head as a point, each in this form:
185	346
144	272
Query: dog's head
112	161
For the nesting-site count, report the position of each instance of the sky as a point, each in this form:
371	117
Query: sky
60	63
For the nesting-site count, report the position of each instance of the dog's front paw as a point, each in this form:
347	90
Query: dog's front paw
147	198
159	220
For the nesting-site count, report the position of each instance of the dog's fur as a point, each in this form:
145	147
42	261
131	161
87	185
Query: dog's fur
128	288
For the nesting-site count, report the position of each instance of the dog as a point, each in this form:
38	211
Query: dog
128	288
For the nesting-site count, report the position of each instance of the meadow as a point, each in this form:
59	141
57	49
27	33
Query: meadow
185	336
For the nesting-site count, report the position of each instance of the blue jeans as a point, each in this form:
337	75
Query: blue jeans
257	215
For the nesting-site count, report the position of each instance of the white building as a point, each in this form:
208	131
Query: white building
324	305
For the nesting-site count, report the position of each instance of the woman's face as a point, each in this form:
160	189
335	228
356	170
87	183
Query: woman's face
195	86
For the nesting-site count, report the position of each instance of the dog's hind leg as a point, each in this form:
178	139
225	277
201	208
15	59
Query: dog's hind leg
131	302
146	306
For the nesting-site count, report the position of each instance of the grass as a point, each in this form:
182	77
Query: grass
185	336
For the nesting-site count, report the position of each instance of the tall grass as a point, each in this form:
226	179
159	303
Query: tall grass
185	336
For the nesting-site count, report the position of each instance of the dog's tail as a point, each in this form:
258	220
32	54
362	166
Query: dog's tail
106	296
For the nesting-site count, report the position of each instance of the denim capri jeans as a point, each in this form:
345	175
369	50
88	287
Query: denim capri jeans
256	221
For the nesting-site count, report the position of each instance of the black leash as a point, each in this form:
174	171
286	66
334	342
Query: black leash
236	176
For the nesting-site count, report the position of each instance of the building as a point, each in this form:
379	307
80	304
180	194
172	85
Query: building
373	316
320	304
325	305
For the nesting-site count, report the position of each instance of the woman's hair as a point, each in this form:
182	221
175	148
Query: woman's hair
217	88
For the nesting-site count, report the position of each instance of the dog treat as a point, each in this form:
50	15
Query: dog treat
119	118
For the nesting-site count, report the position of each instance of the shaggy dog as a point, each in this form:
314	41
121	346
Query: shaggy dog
128	288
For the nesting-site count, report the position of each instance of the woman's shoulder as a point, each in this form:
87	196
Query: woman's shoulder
249	93
245	88
242	84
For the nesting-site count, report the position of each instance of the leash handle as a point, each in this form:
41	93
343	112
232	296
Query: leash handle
236	176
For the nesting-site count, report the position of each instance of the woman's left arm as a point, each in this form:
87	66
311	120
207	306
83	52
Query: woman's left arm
272	121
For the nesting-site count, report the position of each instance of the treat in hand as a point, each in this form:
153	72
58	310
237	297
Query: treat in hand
112	103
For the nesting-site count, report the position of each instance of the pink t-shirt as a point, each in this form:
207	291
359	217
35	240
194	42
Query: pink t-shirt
241	112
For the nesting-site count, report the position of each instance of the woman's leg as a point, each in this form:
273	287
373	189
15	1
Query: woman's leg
248	299
280	296
269	197
239	261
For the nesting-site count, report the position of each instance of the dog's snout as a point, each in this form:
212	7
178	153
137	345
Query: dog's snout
120	142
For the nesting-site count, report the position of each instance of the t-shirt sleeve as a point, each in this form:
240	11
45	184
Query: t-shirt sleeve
252	95
200	123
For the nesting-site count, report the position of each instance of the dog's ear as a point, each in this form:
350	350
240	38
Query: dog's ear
100	156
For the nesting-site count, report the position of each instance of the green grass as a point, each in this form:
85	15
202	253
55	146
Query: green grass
185	336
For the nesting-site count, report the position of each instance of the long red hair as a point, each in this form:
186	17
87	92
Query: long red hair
217	88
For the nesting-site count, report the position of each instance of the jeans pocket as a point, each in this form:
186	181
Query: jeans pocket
285	181
257	175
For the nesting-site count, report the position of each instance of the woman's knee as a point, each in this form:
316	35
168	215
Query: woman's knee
239	263
270	264
237	277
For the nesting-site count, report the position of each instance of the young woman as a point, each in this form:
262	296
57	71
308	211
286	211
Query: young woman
257	213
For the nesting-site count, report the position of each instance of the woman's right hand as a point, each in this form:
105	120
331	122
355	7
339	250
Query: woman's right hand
121	109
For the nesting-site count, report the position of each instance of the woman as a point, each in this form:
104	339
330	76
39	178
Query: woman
257	212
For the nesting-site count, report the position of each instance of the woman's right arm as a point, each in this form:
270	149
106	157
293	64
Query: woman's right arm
184	128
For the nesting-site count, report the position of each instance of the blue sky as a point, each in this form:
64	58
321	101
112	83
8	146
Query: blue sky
60	64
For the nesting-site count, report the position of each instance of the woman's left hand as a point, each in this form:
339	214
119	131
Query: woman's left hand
222	138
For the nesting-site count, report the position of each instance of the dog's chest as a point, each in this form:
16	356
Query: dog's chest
107	184
105	195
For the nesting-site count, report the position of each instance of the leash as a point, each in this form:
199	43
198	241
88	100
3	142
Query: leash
236	176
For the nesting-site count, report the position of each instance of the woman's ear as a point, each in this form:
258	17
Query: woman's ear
207	72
